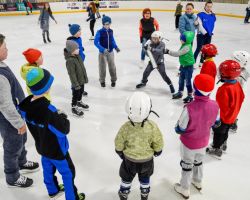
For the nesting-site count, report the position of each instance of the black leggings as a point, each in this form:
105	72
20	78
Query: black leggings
220	135
91	26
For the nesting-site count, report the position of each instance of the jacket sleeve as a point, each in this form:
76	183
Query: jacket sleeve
52	17
114	43
7	108
222	100
97	42
182	24
183	121
58	124
72	73
140	29
157	142
200	27
120	140
156	24
180	52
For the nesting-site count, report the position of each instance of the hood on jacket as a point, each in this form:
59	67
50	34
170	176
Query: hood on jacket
189	37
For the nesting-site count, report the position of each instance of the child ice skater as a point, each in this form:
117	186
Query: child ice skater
137	142
186	59
34	58
194	126
242	57
45	14
157	48
78	76
49	129
209	51
230	97
75	31
105	42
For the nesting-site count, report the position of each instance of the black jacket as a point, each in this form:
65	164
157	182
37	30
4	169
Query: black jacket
48	128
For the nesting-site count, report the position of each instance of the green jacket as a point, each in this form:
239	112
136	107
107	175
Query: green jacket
188	58
137	143
178	10
76	70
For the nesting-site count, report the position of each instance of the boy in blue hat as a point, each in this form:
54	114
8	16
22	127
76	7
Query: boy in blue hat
49	129
105	42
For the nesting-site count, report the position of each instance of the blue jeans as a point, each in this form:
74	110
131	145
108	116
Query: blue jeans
14	151
186	76
143	53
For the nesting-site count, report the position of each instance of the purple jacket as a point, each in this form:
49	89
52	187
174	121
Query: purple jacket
202	113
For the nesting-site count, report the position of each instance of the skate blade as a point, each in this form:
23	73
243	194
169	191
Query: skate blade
185	197
57	196
199	189
214	156
27	171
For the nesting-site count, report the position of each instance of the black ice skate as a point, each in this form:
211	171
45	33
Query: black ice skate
188	99
224	147
81	196
103	85
84	94
140	85
113	84
58	194
214	152
22	182
80	104
123	195
234	127
145	193
177	95
77	112
172	90
29	167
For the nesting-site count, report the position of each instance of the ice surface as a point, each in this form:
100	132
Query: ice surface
92	138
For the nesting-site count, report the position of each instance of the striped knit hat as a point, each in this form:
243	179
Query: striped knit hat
39	81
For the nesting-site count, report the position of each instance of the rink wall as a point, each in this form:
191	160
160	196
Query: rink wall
221	9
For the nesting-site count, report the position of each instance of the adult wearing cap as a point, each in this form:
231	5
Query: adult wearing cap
12	126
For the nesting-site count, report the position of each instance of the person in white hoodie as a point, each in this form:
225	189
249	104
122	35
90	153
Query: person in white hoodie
246	21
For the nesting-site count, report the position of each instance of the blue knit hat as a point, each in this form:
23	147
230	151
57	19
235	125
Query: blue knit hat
106	19
39	80
74	28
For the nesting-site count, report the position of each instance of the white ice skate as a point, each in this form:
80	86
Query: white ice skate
183	192
197	185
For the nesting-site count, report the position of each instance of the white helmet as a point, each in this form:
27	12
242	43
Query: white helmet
138	107
157	34
242	57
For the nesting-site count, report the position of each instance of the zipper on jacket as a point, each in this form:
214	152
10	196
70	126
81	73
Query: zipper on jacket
108	40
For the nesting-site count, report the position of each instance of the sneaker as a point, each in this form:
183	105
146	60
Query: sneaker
77	112
22	182
140	85
172	88
197	185
113	84
29	167
84	94
188	99
81	196
145	193
103	84
123	195
177	95
214	152
58	194
80	104
183	192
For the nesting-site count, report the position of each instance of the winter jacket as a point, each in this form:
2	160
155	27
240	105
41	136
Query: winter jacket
147	27
44	19
209	67
137	143
104	39
48	128
178	10
76	70
81	48
24	71
186	23
196	121
230	97
208	21
91	14
11	94
157	51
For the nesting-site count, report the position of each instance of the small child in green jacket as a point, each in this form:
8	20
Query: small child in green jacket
78	76
137	142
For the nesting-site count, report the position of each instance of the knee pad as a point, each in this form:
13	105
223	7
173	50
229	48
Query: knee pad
186	166
196	164
125	186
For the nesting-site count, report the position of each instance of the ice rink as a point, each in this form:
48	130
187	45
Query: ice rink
92	137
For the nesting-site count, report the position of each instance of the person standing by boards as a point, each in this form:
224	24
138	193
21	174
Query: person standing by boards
178	13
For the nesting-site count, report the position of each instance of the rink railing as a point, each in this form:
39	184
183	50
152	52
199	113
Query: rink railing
221	9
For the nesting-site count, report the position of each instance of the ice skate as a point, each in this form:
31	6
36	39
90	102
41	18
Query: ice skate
177	95
82	105
59	194
188	99
22	182
123	195
140	85
183	192
77	112
214	152
197	185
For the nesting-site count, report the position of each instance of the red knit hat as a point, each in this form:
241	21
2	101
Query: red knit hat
145	11
32	55
204	83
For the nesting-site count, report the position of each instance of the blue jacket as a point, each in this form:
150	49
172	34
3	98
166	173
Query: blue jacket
104	39
81	48
208	21
186	23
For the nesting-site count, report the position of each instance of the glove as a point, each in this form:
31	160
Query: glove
166	51
120	154
62	113
156	154
106	52
117	50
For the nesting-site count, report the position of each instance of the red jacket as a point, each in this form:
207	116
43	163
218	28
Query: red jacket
230	97
209	67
